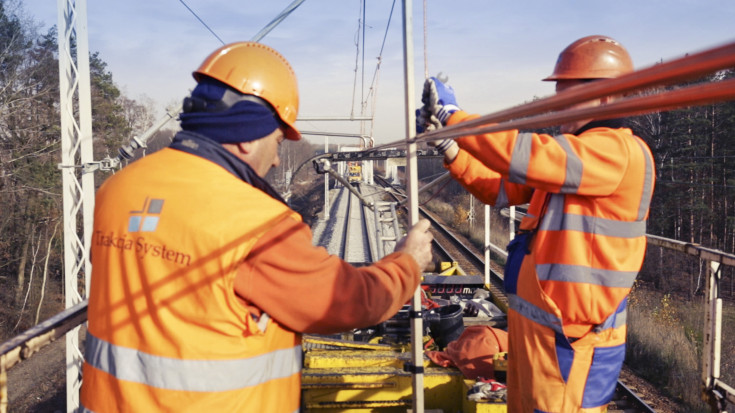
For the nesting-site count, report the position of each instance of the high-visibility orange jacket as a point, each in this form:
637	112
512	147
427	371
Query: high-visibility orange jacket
589	196
202	283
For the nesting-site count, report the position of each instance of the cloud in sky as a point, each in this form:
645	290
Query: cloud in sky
494	52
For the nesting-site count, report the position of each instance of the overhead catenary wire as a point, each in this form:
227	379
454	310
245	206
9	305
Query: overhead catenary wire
376	77
426	54
126	152
263	32
277	20
362	66
357	57
201	21
369	97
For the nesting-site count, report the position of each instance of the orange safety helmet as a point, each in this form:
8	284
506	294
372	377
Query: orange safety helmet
256	69
592	57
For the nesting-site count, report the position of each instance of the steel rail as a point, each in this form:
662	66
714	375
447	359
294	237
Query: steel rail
345	244
352	240
496	279
28	343
681	69
689	96
626	395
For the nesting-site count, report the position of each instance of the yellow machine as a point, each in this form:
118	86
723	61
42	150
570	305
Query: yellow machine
354	172
349	376
365	371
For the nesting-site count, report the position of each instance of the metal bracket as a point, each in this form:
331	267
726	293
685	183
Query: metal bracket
413	369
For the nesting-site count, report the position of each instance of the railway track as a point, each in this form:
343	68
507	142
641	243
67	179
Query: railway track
347	233
456	250
357	248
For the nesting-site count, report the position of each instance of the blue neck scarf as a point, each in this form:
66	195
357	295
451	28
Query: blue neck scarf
244	121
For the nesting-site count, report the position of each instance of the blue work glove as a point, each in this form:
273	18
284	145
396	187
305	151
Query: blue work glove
438	100
425	121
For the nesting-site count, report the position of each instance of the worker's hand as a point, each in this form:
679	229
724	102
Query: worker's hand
418	244
425	121
443	145
438	100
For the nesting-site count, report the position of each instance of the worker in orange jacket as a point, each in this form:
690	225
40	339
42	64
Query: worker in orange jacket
579	249
203	278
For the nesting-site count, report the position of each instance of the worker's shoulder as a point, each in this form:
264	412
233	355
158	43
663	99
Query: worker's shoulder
605	136
138	171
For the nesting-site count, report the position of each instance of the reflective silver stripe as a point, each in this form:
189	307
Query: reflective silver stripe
554	216
585	275
556	220
574	168
501	201
520	158
647	184
617	319
83	409
534	313
191	375
595	225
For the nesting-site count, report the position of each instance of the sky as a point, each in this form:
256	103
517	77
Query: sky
495	53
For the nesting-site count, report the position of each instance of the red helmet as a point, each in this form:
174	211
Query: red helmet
592	57
256	69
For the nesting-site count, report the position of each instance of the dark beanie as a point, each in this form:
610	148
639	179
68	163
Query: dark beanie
242	122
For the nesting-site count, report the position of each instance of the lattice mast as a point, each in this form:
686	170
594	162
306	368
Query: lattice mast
75	107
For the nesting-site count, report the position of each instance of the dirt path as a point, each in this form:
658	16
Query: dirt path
39	383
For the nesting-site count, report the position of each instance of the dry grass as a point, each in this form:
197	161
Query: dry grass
663	346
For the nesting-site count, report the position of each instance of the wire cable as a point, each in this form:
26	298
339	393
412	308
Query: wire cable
202	21
357	62
376	75
276	21
426	55
362	67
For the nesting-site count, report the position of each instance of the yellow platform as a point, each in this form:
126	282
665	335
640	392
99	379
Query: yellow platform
370	378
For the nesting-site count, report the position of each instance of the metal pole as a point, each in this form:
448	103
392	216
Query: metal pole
487	245
326	183
712	325
417	330
78	186
333	118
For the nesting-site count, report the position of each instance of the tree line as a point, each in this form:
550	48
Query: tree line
694	149
30	152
